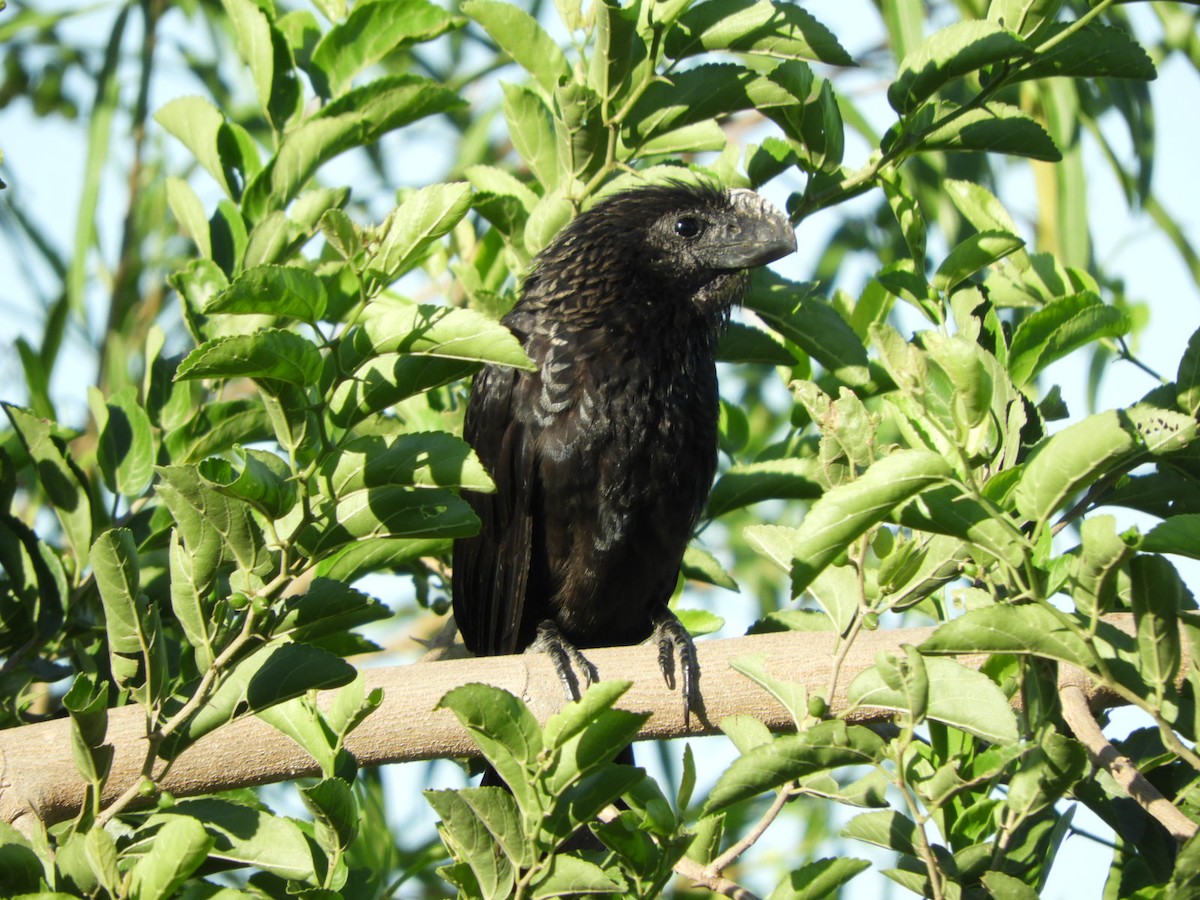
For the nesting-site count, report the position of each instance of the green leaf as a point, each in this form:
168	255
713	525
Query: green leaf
178	849
1029	628
976	252
126	449
332	802
1161	431
391	325
695	138
272	673
520	36
359	117
576	716
703	92
197	124
790	478
253	34
467	836
1069	461
1179	534
327	608
114	561
570	875
87	704
214	526
1059	328
62	480
532	132
1094	51
1187	379
957	696
100	850
792	695
994	128
954	51
845	513
246	836
839	595
700	565
20	866
951	510
984	211
886	828
828	745
760	27
1157	591
505	731
432	459
746	344
387	511
191	583
378	555
907	211
189	213
283	291
1007	887
263	480
387	379
1094	572
269	354
815	326
422	217
819	879
372	32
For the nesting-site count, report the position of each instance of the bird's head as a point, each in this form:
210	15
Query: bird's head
668	240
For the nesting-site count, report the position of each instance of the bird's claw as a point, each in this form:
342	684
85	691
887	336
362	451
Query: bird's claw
568	662
671	637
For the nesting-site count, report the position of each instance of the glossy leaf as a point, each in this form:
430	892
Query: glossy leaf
1059	328
761	27
846	512
957	696
391	326
373	31
1024	629
951	53
178	849
246	836
284	291
1070	460
829	745
790	478
994	128
520	36
1157	592
270	354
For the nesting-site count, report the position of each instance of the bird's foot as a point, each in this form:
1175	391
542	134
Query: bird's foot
671	637
568	662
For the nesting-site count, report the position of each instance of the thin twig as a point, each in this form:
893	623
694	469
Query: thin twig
694	872
1078	716
751	837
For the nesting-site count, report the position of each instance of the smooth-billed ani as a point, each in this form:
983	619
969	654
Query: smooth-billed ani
604	456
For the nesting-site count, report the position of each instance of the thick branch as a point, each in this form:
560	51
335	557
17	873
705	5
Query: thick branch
38	776
1078	714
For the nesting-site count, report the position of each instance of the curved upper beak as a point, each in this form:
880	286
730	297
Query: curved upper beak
758	234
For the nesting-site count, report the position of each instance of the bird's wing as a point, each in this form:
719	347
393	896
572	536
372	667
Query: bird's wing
491	570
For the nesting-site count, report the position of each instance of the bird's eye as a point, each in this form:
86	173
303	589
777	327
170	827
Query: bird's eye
688	227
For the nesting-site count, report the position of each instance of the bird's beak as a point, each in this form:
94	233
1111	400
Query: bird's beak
759	234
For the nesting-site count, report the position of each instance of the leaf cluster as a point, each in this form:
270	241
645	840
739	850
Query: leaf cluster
279	393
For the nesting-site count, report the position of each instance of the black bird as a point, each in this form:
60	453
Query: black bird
604	456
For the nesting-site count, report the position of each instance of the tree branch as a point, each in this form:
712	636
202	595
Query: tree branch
38	776
1078	715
